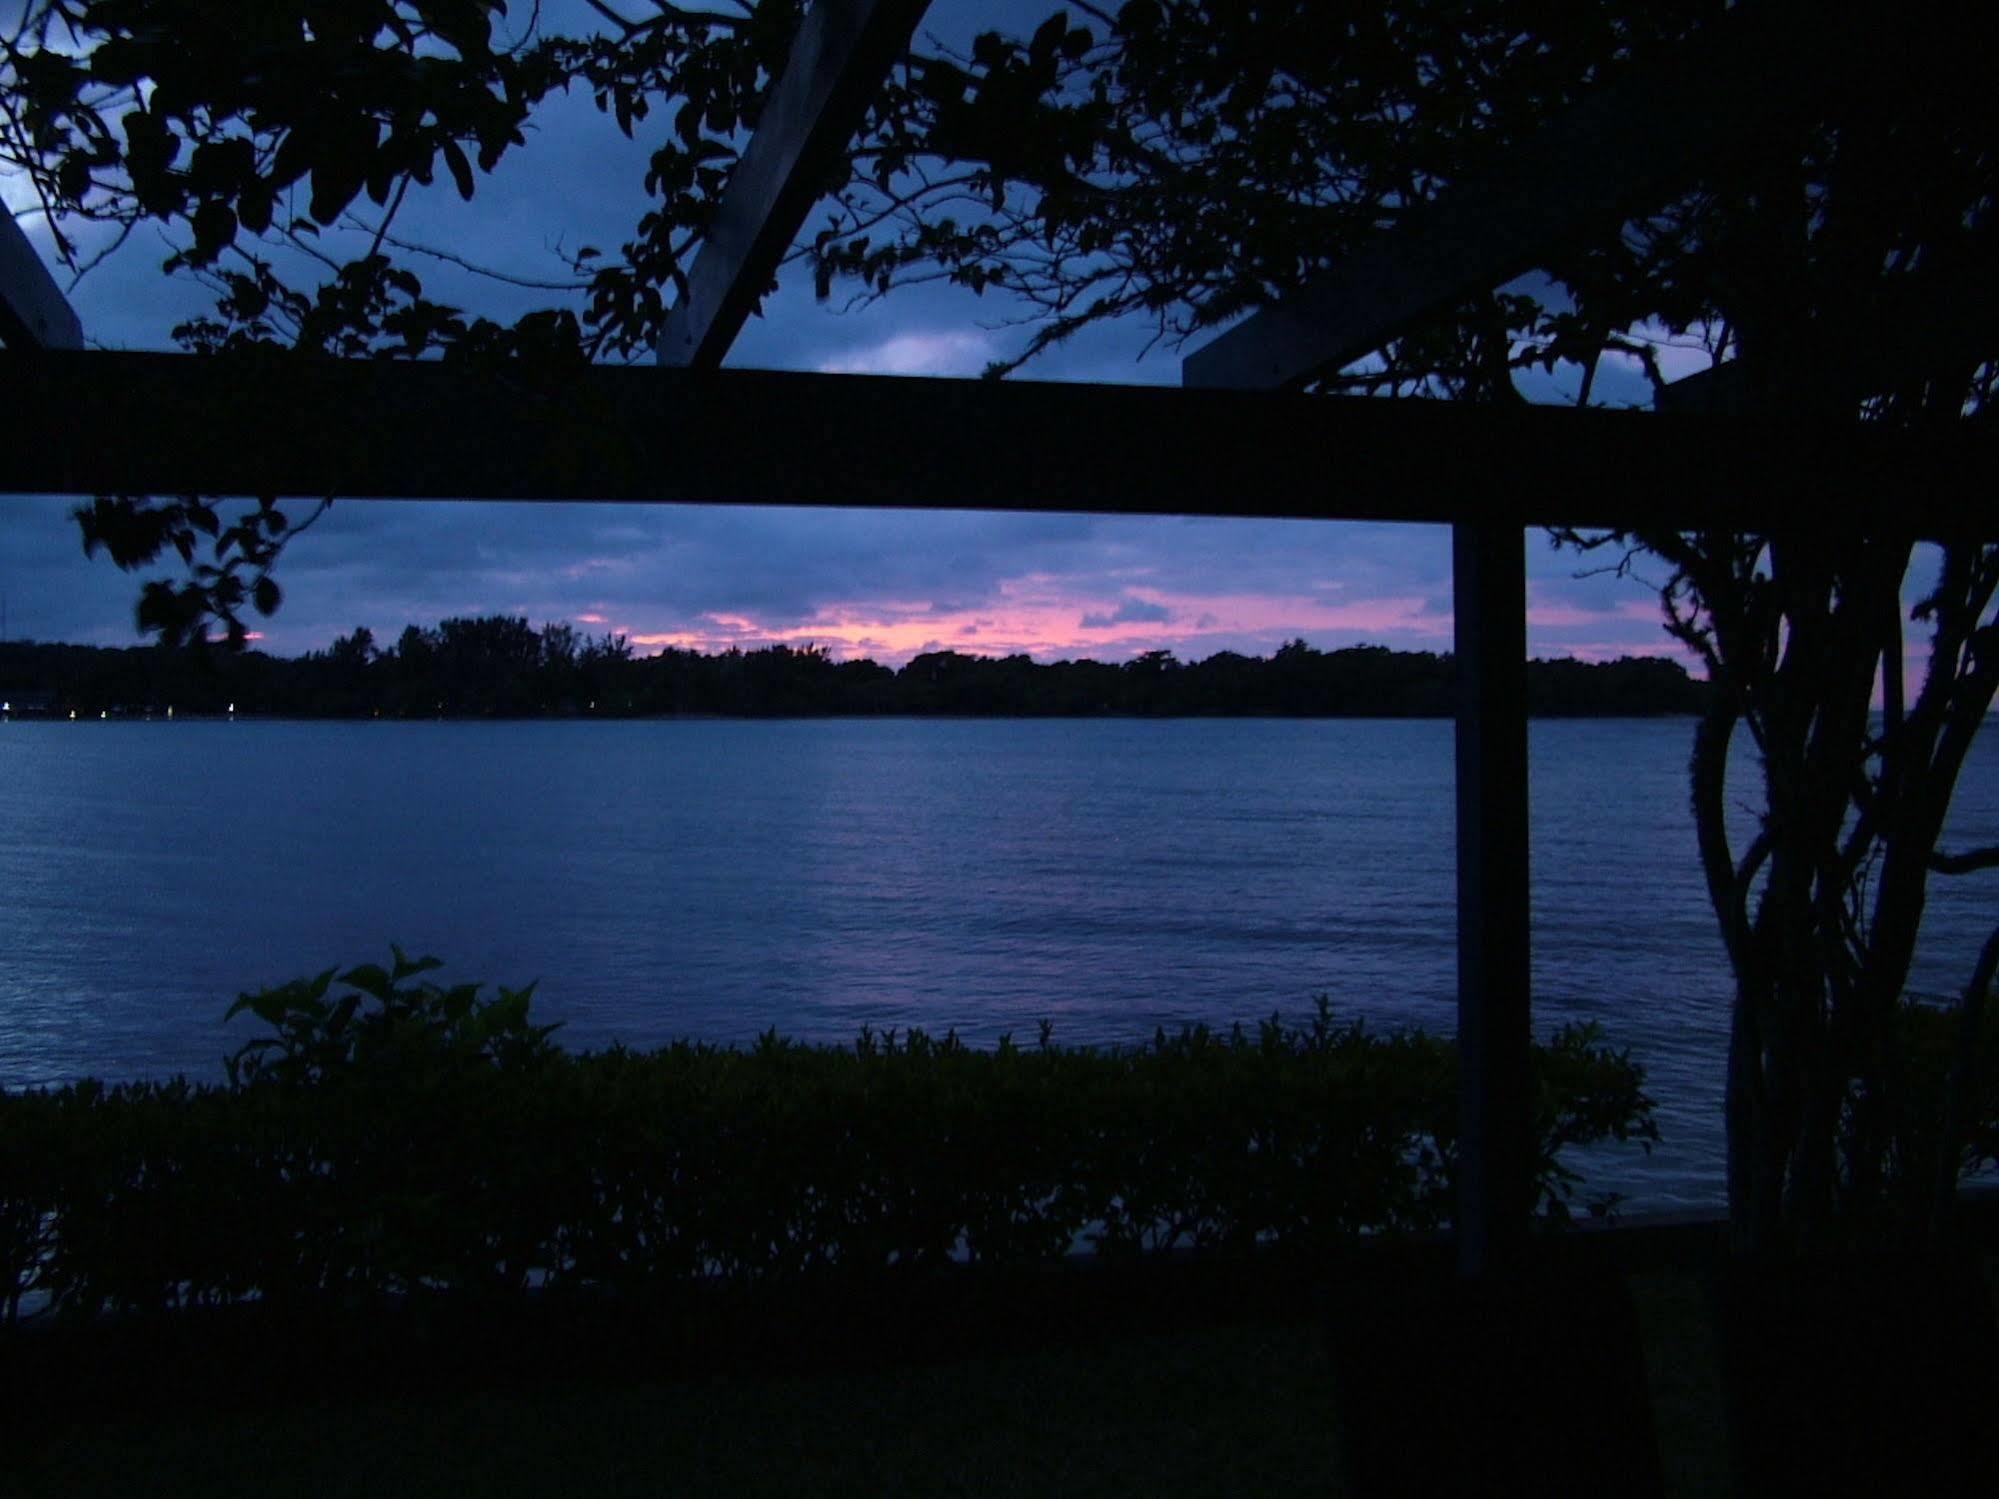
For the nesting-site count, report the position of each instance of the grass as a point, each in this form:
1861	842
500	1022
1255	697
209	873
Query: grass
1683	1371
1227	1411
1215	1411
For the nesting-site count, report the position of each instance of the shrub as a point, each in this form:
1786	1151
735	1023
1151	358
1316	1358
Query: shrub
393	1136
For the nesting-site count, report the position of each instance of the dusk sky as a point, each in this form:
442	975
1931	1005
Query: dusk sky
881	584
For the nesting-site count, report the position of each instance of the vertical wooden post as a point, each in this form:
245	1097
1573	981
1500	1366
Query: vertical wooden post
1495	1099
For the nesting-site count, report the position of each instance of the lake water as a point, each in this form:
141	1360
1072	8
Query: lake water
716	878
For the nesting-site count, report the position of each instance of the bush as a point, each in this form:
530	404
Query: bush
393	1136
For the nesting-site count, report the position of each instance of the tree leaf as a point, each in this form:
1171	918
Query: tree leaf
335	181
214	230
408	967
461	169
370	980
1048	37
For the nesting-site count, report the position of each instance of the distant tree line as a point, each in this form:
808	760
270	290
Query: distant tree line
501	667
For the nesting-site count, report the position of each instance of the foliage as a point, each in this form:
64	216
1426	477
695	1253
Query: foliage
383	1027
133	532
404	1137
501	667
1181	161
1931	1124
252	130
273	146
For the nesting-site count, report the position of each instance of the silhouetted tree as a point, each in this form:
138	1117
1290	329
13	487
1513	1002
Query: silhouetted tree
602	679
356	650
1821	911
498	665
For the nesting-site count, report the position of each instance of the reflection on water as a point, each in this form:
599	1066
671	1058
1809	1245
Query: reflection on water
716	878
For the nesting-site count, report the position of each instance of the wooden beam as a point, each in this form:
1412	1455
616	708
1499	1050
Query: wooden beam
34	314
1627	147
1495	1111
843	50
147	423
1723	390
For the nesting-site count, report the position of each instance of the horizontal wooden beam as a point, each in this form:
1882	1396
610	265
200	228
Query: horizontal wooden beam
140	423
34	314
1627	147
843	50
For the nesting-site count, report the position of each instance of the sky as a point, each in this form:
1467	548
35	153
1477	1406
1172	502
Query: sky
887	585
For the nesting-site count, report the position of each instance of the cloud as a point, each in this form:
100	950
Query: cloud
860	582
1132	611
922	352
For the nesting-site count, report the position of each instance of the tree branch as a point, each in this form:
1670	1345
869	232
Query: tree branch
413	247
623	23
389	216
1965	863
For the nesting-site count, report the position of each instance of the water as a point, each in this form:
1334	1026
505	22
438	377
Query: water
715	878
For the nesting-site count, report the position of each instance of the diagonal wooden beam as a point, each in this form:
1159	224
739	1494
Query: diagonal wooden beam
843	50
34	314
1626	148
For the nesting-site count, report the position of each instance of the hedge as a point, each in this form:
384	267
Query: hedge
399	1136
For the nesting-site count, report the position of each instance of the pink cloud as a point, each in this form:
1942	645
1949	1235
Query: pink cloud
1544	613
1043	617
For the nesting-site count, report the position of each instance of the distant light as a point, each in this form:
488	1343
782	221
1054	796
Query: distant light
6	707
232	710
170	713
103	713
72	715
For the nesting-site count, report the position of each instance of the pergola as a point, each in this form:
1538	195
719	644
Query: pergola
1231	442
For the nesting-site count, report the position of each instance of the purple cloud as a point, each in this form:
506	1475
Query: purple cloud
1132	611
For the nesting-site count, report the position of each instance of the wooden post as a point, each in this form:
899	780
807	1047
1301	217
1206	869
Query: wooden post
1495	1124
